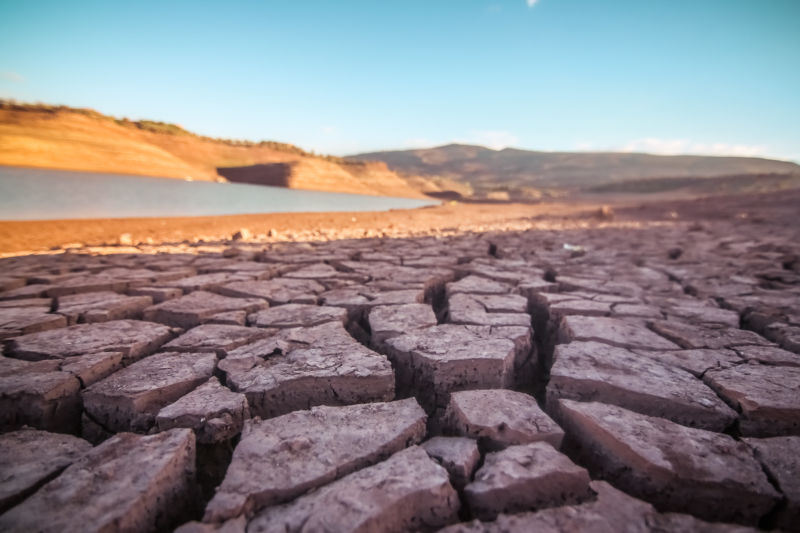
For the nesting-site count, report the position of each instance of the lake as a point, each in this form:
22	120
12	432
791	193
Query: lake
36	194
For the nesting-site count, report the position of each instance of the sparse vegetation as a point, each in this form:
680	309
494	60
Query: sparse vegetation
155	126
12	105
62	137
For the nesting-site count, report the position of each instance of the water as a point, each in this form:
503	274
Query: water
35	194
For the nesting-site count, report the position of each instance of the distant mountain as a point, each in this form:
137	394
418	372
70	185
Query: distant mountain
65	138
60	137
524	173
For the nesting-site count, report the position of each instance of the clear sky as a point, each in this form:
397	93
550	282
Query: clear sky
339	76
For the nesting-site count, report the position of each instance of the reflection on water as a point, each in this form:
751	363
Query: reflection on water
34	194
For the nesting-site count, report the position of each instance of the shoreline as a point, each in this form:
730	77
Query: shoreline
35	236
189	234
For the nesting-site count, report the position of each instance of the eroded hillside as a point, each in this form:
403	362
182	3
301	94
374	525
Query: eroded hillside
524	174
85	140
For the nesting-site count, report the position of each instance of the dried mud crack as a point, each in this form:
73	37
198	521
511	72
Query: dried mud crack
590	379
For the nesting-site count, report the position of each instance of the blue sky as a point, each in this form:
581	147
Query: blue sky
663	76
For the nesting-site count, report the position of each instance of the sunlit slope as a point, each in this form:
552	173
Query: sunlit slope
516	170
72	141
84	140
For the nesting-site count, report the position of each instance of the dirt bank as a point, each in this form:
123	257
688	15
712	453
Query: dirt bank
18	237
85	140
32	236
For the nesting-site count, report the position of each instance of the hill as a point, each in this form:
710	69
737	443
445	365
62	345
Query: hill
522	173
66	138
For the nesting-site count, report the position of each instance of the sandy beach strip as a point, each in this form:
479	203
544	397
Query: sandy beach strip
18	237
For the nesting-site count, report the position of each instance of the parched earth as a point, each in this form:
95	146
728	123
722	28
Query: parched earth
614	377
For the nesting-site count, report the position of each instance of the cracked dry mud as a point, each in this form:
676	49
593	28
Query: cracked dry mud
474	382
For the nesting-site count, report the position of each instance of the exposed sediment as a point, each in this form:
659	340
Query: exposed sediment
476	382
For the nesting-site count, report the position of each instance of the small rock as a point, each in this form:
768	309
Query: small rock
281	458
611	331
768	355
92	367
243	234
128	483
16	321
135	339
407	492
780	459
674	253
499	418
438	360
698	362
523	478
768	397
30	458
130	399
212	411
199	307
473	284
158	294
212	281
715	338
613	511
469	309
591	371
297	315
675	467
42	399
301	367
458	455
100	307
215	338
388	321
605	212
276	291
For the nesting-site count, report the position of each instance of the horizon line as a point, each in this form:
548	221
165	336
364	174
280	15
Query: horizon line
13	101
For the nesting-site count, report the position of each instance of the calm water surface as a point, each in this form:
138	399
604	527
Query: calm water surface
34	194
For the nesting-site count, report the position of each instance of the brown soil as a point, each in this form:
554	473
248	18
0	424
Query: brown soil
32	236
635	339
19	237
